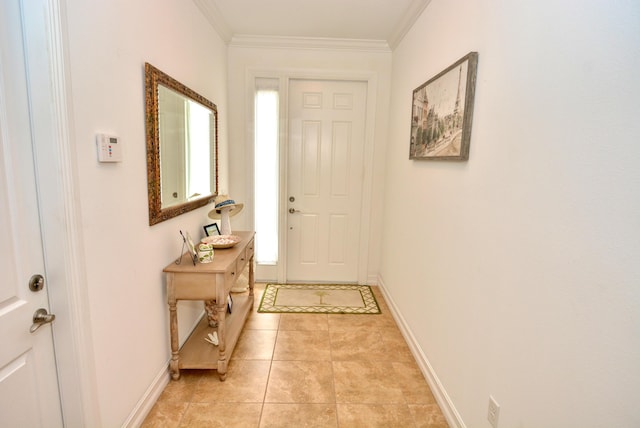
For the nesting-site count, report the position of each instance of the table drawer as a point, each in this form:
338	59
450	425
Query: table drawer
193	287
250	249
243	258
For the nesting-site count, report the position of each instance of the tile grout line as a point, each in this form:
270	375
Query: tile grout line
333	373
266	387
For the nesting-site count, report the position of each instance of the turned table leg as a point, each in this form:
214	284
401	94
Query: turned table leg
222	340
173	325
212	312
251	280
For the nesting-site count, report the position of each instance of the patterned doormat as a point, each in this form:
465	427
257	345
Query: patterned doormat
318	299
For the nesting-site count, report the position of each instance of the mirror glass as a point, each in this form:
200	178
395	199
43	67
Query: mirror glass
182	149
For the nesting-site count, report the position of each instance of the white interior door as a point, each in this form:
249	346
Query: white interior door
325	179
29	394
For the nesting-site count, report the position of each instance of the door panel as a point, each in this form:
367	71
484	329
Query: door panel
340	155
16	375
311	144
309	239
338	231
325	170
28	382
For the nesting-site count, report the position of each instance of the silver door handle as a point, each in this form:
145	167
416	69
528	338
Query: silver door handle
41	317
291	211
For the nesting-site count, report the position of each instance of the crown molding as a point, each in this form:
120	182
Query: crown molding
410	17
213	15
310	43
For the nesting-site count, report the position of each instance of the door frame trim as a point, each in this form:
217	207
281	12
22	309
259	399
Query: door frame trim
60	223
285	75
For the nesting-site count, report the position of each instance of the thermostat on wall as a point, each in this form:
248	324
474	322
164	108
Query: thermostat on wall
109	148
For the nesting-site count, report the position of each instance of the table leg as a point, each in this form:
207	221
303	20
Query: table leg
173	325
212	312
222	340
251	280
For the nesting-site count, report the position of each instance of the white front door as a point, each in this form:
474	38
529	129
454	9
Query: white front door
325	179
29	394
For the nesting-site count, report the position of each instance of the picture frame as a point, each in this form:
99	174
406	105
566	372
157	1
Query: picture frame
442	113
211	229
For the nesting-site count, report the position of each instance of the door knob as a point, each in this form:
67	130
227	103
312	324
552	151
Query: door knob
41	317
291	211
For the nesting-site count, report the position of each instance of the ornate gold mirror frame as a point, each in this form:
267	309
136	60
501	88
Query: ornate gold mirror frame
168	148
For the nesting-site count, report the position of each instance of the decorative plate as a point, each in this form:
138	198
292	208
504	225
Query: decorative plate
190	246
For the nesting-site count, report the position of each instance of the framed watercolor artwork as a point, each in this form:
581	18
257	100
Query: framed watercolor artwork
442	112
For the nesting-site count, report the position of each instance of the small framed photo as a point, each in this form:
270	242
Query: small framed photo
212	229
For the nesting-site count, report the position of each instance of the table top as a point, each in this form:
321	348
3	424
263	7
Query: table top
223	259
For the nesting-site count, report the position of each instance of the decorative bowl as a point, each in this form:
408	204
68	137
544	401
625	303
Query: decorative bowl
221	241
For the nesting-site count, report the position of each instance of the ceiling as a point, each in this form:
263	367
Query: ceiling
366	20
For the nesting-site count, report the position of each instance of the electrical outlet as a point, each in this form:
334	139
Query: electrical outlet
494	412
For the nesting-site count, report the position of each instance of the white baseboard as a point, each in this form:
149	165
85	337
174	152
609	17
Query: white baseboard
442	398
149	398
372	280
153	392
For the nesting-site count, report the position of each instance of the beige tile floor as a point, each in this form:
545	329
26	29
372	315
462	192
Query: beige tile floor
311	370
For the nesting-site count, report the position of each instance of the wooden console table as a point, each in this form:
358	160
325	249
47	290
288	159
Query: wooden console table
210	282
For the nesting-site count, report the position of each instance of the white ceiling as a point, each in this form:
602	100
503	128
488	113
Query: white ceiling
375	20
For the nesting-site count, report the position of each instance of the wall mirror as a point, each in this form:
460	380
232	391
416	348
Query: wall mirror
182	147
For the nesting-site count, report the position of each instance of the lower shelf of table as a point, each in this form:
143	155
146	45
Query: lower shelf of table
197	353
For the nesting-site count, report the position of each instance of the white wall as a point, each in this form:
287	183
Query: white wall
294	62
518	271
109	43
